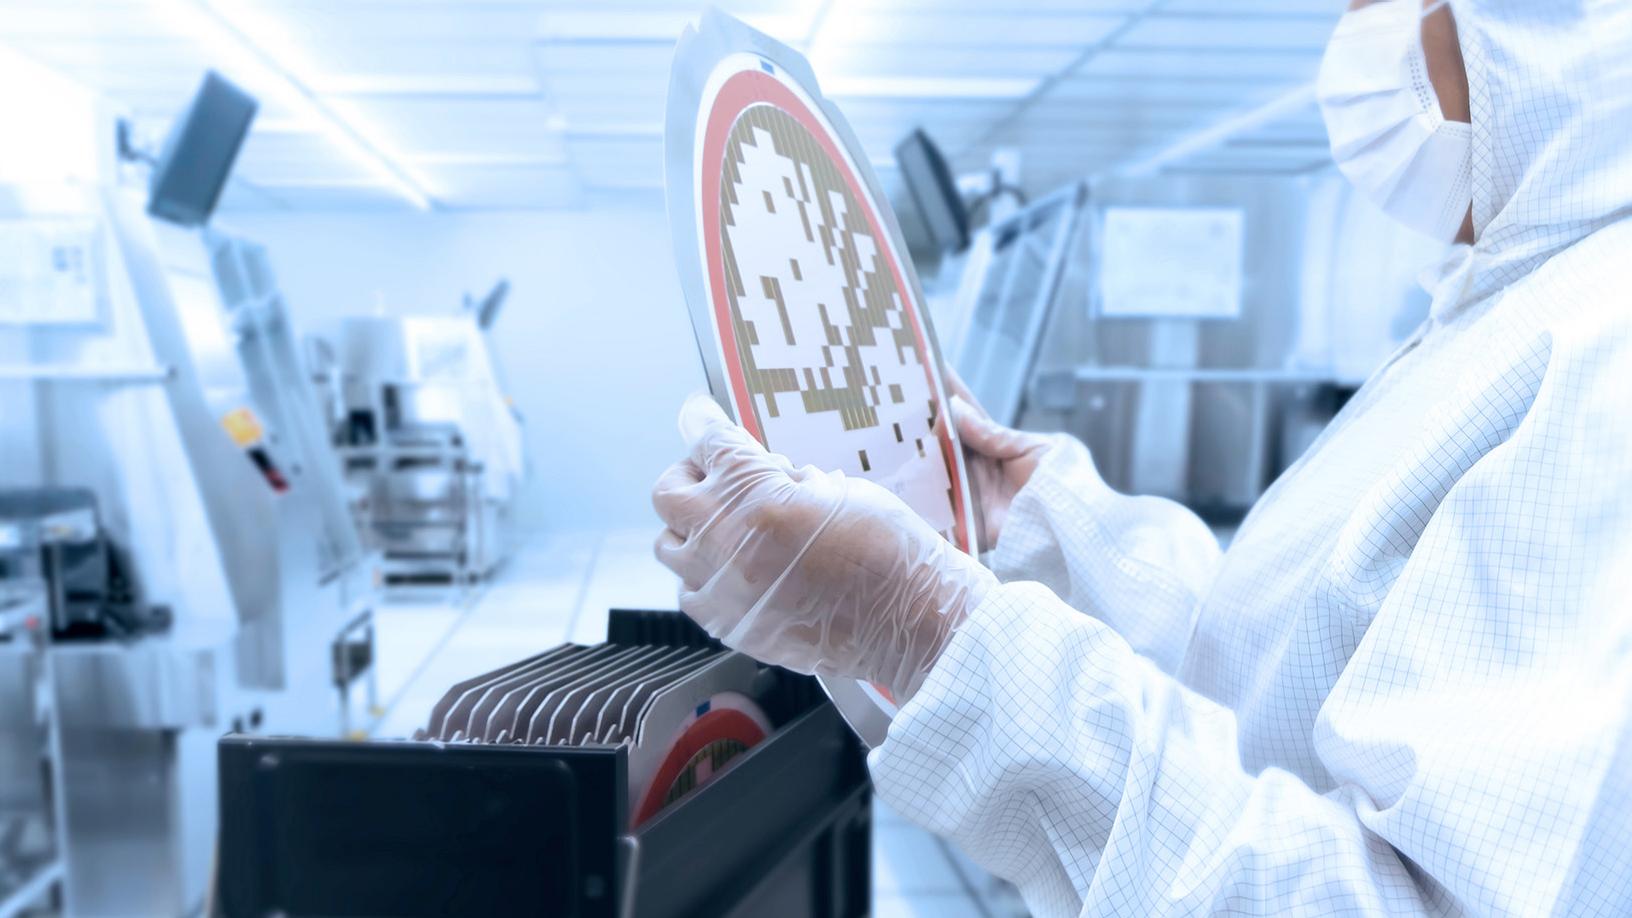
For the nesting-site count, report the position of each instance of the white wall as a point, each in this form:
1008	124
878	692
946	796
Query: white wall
594	339
59	126
61	123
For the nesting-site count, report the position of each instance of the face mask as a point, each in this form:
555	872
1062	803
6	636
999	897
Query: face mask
1388	136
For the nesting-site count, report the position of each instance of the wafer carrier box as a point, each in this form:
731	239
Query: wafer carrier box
412	828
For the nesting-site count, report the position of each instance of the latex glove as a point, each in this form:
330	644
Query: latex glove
1000	459
806	569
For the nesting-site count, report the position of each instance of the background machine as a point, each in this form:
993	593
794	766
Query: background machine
430	441
176	556
1158	319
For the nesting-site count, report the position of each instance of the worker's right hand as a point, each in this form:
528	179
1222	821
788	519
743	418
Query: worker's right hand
1000	459
811	570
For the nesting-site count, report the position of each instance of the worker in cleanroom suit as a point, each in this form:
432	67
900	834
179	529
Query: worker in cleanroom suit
1407	686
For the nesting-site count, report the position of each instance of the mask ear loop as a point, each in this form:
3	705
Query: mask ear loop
1466	177
1422	61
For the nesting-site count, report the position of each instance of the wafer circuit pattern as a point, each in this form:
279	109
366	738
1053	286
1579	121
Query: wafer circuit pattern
822	331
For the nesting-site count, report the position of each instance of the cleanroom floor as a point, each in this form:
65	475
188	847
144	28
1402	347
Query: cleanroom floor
558	588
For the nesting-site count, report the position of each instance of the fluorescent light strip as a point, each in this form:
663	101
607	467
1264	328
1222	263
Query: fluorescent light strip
226	29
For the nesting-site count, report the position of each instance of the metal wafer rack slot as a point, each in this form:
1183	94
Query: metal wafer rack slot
612	779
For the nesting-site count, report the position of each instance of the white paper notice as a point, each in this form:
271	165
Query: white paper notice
1171	262
49	271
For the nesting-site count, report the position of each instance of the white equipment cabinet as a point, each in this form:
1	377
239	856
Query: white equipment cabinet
182	410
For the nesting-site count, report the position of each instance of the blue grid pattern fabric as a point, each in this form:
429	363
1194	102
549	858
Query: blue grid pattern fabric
1407	686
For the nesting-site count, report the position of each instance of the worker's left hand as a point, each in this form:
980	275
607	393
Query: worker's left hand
807	569
1000	459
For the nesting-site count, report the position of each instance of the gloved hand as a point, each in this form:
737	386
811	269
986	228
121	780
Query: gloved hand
1000	459
807	569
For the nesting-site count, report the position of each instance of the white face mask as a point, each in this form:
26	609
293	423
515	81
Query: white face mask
1382	114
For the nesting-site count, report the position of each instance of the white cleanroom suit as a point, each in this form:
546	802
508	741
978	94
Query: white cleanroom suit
1405	688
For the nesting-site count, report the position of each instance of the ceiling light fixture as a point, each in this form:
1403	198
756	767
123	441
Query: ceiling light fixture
832	28
225	28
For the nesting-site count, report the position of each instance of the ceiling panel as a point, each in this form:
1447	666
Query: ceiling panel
332	56
336	198
453	115
546	103
983	29
1202	64
1276	157
242	196
628	160
506	187
655	22
1167	92
287	159
424	126
945	7
742	8
397	22
861	59
1229	29
1061	116
637	84
1316	8
109	57
643	150
606	57
49	18
445	83
903	111
595	110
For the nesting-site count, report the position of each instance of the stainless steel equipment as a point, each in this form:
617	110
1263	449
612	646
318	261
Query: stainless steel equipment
53	536
431	445
183	410
32	817
1012	280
